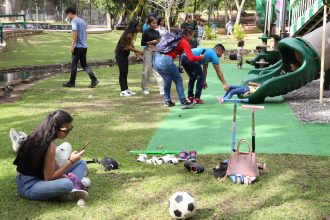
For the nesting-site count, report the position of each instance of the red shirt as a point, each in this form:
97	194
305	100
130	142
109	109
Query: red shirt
184	46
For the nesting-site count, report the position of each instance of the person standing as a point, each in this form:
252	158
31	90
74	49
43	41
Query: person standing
78	48
196	73
161	27
229	27
240	46
124	47
150	38
189	23
164	64
200	33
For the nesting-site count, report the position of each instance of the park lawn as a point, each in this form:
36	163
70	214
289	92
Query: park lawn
297	187
53	48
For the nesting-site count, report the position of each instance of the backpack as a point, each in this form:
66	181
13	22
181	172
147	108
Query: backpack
169	42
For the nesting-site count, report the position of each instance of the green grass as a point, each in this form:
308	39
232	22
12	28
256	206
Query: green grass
297	187
53	48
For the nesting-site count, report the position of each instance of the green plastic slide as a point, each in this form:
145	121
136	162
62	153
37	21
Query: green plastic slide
275	84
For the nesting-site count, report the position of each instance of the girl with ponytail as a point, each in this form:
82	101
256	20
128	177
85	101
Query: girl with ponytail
37	175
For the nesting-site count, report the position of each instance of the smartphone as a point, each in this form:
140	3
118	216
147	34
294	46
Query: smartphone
203	51
85	146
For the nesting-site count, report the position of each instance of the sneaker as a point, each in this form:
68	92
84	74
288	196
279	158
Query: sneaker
170	159
187	105
76	182
192	156
125	93
169	104
220	170
93	84
183	155
86	181
198	101
220	99
142	158
190	98
68	84
145	91
16	138
194	167
131	92
75	195
155	161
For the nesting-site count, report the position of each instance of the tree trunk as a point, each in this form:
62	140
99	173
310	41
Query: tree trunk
226	11
239	10
137	10
186	3
167	19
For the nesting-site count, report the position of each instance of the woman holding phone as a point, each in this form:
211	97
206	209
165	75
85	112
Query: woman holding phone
37	177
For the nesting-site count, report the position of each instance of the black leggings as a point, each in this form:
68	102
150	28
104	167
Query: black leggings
122	61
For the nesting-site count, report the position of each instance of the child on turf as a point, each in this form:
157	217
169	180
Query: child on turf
240	45
239	90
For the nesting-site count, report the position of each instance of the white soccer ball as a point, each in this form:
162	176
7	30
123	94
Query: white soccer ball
182	205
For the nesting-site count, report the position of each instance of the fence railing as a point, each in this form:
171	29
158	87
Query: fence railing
15	22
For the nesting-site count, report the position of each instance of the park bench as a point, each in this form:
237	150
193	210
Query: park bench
14	15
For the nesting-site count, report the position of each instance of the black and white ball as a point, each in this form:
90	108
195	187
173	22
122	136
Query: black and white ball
182	205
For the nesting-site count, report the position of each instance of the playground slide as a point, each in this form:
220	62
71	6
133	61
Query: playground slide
307	51
253	74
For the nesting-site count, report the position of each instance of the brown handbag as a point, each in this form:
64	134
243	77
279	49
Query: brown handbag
243	163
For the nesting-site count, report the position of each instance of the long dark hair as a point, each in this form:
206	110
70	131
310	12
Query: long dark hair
131	29
38	142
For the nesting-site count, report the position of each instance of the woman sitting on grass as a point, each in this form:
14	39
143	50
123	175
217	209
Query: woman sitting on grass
37	177
239	90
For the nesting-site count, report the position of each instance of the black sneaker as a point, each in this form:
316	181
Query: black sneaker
68	84
169	104
187	105
220	170
93	84
194	167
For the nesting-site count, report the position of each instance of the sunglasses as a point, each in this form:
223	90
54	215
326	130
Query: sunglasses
66	130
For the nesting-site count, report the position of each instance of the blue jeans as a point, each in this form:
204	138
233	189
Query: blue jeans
195	72
34	188
169	71
235	90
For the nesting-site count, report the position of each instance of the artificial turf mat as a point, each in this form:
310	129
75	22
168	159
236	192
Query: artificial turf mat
207	128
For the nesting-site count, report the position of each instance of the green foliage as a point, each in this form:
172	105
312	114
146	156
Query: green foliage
209	34
238	32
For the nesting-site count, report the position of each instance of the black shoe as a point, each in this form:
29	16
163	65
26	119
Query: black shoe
169	104
93	84
187	105
68	84
194	167
220	170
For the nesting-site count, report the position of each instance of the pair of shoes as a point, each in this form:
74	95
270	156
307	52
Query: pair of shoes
167	159
191	98
220	99
93	84
17	138
194	167
75	195
187	105
145	91
169	104
127	93
191	156
68	84
198	101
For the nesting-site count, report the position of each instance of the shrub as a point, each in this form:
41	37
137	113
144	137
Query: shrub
208	33
238	32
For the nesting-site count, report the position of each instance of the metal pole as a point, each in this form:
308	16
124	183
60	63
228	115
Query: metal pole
90	12
283	18
233	129
323	52
253	133
266	18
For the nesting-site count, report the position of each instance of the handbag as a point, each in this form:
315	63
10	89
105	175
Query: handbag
242	163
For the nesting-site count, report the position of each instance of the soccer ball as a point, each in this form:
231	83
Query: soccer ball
182	205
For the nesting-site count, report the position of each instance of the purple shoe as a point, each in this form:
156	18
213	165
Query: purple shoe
192	156
77	185
183	155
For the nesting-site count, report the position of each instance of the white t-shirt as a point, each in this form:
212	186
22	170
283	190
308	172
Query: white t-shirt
162	30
